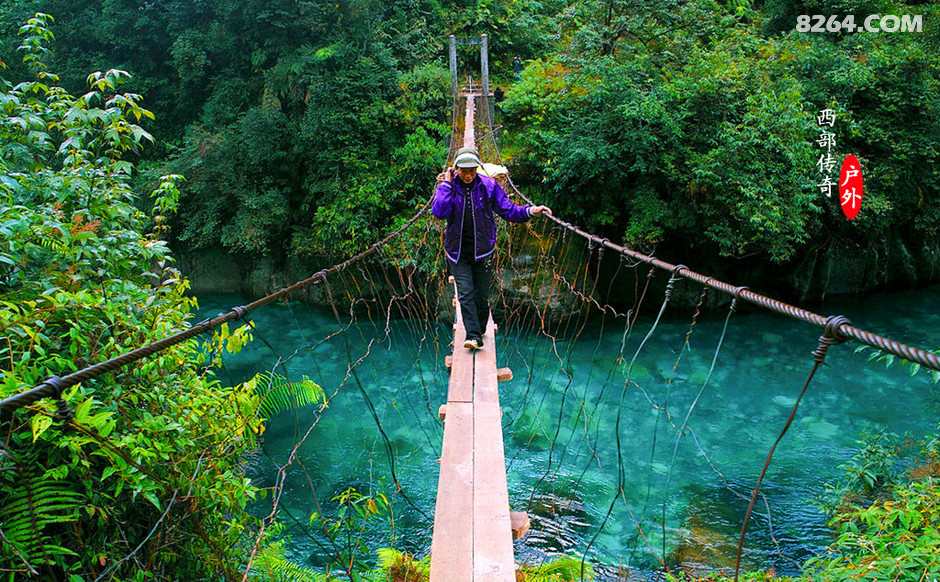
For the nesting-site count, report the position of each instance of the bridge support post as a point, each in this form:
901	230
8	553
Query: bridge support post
453	64
485	72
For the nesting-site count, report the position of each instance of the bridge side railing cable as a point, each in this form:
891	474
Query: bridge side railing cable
842	331
55	385
837	329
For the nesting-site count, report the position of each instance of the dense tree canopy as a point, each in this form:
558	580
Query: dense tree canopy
298	124
688	120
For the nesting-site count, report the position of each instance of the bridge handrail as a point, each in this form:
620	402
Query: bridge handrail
838	327
840	330
53	386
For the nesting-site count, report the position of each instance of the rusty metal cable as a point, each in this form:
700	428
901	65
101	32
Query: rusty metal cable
923	357
831	336
837	330
55	385
845	329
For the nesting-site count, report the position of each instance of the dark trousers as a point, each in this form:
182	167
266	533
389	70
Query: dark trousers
473	290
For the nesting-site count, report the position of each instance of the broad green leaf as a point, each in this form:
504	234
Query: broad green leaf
39	424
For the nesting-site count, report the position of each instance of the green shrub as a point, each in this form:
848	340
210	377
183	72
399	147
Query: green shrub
892	539
146	481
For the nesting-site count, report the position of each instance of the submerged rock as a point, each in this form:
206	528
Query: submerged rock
708	536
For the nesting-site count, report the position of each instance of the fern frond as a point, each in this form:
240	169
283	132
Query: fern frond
559	569
395	565
32	505
387	558
278	395
271	565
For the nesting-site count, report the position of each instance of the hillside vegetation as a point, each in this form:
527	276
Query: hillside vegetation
309	129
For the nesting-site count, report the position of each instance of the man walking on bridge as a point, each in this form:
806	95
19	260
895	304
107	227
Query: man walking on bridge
468	201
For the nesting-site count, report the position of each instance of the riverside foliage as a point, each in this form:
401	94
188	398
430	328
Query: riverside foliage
302	127
306	128
145	482
697	121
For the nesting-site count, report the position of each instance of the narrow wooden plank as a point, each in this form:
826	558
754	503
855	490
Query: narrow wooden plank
484	379
452	538
472	538
503	375
492	528
460	388
468	130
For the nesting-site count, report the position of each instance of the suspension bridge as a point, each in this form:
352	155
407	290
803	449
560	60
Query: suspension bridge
472	519
473	525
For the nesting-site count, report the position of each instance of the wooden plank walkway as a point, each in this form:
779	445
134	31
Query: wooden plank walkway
472	539
469	128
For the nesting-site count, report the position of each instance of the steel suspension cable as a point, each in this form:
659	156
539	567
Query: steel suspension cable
639	257
54	385
845	330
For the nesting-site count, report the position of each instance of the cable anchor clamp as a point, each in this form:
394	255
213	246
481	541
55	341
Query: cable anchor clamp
831	335
63	412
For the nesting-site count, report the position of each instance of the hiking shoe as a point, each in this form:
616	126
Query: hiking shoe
474	343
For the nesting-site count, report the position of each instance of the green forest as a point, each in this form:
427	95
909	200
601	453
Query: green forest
647	122
299	132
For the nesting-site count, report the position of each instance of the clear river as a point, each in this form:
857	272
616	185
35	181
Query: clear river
592	423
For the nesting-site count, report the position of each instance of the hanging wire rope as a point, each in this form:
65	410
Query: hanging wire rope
845	329
398	301
375	303
587	295
841	329
53	386
830	337
912	354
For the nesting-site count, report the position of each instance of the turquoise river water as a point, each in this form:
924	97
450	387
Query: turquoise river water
598	462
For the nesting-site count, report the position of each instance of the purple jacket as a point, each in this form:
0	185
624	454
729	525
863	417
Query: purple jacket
487	197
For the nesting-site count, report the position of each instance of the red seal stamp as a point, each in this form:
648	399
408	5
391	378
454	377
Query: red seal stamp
850	186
